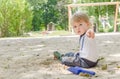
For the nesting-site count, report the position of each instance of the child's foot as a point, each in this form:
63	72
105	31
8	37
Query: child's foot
57	55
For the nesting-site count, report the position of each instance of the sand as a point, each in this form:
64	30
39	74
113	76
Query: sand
32	57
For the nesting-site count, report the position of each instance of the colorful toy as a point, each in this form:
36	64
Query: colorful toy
77	70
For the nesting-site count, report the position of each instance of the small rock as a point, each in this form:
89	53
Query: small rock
104	67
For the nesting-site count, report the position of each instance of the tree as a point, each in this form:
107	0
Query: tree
15	17
48	11
38	10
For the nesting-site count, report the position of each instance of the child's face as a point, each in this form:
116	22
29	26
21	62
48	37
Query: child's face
80	27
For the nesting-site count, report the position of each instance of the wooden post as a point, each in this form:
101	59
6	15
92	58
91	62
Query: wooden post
116	15
94	4
69	16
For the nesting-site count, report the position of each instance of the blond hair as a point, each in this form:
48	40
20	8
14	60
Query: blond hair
78	16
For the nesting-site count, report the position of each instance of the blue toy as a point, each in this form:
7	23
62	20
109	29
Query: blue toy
77	70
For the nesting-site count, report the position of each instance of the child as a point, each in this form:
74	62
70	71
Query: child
87	56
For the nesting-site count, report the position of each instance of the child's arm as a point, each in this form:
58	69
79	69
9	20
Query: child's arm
90	33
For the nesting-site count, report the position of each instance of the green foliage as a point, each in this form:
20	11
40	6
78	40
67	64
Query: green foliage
15	17
48	11
19	16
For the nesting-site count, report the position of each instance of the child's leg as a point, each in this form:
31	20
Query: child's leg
70	60
77	61
58	55
69	54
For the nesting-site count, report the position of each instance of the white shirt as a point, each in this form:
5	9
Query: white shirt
88	48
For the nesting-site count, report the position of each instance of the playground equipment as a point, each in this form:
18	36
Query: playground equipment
70	6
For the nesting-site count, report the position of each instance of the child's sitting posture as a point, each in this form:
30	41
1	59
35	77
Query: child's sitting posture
87	56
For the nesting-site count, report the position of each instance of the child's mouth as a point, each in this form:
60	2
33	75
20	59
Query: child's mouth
78	31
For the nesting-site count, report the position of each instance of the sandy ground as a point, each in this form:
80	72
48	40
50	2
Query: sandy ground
32	58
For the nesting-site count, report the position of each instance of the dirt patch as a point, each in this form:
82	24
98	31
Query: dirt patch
32	58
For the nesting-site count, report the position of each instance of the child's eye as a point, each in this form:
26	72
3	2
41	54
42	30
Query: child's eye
74	26
80	24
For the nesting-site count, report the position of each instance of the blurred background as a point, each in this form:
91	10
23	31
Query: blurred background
50	17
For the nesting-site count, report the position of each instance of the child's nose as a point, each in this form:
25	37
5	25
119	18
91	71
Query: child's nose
78	27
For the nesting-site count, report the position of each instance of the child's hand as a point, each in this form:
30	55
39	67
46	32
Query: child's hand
90	33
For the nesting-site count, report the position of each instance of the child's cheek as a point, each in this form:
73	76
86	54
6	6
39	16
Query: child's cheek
75	31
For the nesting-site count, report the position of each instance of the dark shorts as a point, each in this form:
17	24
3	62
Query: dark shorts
70	59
